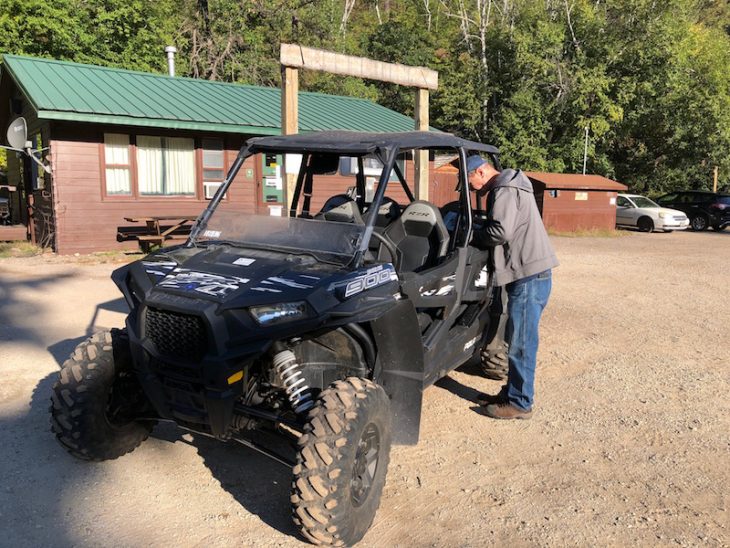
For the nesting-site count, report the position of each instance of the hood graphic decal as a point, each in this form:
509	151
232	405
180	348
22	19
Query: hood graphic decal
158	269
287	282
214	285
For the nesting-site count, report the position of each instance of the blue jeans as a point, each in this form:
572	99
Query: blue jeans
527	300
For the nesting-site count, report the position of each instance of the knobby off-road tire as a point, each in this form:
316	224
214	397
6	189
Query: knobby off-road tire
94	396
342	461
494	360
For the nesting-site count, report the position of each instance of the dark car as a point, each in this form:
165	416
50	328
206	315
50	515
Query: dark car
703	208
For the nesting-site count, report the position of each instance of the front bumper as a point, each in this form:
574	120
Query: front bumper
672	224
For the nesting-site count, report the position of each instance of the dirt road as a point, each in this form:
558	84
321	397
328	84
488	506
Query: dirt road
630	444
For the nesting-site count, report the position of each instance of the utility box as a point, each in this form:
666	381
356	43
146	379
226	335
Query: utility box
569	202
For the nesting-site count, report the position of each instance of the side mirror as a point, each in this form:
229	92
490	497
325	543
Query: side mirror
18	133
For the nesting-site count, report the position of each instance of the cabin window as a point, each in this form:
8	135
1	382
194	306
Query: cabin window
213	166
165	166
116	158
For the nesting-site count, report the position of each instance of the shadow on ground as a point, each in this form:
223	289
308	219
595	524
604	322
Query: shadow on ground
37	476
15	312
259	484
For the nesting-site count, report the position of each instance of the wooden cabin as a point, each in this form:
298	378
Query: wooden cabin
125	144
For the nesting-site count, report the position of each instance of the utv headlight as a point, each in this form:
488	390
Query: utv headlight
279	313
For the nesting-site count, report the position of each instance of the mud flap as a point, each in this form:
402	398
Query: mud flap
399	368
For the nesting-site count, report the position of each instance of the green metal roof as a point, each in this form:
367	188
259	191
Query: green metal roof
60	90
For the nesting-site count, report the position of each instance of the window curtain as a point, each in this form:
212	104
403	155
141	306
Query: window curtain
166	165
180	165
149	165
116	154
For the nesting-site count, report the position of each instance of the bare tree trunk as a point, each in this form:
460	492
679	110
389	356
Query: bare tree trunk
576	44
349	5
485	12
427	7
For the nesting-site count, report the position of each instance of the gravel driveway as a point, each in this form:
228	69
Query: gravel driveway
630	443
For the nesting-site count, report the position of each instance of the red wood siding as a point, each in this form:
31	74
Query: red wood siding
87	221
565	213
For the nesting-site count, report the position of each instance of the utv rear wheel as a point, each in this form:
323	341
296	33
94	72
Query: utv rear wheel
494	360
95	399
342	461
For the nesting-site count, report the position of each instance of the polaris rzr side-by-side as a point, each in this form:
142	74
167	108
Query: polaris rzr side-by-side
319	328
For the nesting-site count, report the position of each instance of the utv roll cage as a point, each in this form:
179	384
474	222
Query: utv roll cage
320	154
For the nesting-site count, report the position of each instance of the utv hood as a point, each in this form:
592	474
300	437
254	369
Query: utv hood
244	276
237	278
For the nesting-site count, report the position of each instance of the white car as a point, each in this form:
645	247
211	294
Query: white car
640	212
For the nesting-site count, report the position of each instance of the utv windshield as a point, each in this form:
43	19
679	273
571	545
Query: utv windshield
326	241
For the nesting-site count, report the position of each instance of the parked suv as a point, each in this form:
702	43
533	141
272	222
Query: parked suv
703	208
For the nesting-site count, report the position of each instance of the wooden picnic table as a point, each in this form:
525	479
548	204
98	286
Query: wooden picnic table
160	228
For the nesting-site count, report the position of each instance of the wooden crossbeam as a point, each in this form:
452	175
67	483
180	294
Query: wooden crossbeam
293	55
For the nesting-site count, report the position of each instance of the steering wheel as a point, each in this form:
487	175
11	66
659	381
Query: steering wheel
389	245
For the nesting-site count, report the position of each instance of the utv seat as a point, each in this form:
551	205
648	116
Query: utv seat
420	237
388	212
340	208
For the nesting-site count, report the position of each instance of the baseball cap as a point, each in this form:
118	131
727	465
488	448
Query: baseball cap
473	162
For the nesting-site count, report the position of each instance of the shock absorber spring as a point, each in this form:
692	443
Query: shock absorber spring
289	371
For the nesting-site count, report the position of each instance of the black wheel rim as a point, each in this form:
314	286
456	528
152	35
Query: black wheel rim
366	465
122	402
699	223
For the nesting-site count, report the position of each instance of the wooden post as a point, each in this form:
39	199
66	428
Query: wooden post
714	184
293	56
289	124
421	159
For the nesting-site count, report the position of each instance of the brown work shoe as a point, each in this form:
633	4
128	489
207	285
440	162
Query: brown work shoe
489	399
506	410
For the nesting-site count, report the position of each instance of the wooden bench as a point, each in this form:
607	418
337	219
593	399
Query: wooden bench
154	232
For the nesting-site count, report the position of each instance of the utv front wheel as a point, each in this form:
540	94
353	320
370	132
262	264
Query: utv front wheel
95	399
342	461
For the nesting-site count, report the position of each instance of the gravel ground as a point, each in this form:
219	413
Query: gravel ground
629	444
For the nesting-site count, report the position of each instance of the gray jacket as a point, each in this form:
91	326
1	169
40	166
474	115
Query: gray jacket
515	230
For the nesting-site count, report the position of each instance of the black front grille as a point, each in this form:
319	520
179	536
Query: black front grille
190	372
175	334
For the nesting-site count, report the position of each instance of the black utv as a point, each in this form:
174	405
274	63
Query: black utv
317	329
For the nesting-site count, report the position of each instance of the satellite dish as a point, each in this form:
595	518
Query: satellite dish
18	133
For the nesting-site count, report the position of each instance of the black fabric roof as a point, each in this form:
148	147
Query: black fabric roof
358	143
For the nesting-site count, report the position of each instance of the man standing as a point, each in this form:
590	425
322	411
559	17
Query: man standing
521	259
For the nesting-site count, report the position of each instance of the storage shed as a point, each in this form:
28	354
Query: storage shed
570	202
133	144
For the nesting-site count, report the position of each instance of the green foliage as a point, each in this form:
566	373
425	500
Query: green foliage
649	79
122	33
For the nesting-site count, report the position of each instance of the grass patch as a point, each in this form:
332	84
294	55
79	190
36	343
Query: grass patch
19	249
590	233
100	257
